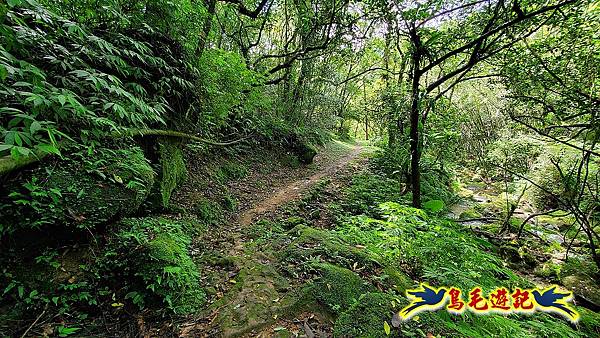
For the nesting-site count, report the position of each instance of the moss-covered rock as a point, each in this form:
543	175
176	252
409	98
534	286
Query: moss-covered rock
311	242
366	318
173	170
83	190
208	211
584	288
255	299
469	214
518	257
396	279
339	288
154	252
306	153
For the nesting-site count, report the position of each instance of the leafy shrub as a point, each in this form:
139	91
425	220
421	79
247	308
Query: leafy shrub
154	251
555	173
428	248
394	163
91	85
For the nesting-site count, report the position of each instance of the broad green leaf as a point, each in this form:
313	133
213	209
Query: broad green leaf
48	148
34	127
387	328
13	3
434	205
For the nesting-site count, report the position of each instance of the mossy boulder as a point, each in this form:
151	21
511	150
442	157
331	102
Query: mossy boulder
585	289
153	251
208	211
83	190
469	214
256	297
396	279
366	318
339	288
173	169
305	152
518	257
311	242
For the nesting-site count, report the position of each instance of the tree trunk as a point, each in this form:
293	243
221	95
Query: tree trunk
206	28
415	150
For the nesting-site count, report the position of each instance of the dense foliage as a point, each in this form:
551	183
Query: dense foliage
129	131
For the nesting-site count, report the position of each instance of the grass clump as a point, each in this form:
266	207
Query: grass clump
154	252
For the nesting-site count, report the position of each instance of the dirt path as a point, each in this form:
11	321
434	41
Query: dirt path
248	289
294	190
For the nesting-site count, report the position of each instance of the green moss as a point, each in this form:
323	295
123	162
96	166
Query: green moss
339	288
293	221
589	322
576	266
367	191
306	153
290	160
309	242
252	302
229	202
518	257
548	270
469	214
395	279
583	287
231	170
83	190
173	167
154	251
209	212
366	318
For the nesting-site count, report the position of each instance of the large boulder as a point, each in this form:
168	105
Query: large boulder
82	190
586	290
305	152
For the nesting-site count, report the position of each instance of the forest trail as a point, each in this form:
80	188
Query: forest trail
327	165
249	294
294	190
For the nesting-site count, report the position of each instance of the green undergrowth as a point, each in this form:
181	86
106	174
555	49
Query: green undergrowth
359	270
89	188
154	252
338	288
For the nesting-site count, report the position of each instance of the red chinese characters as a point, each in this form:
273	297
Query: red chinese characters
499	300
522	300
476	300
456	304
